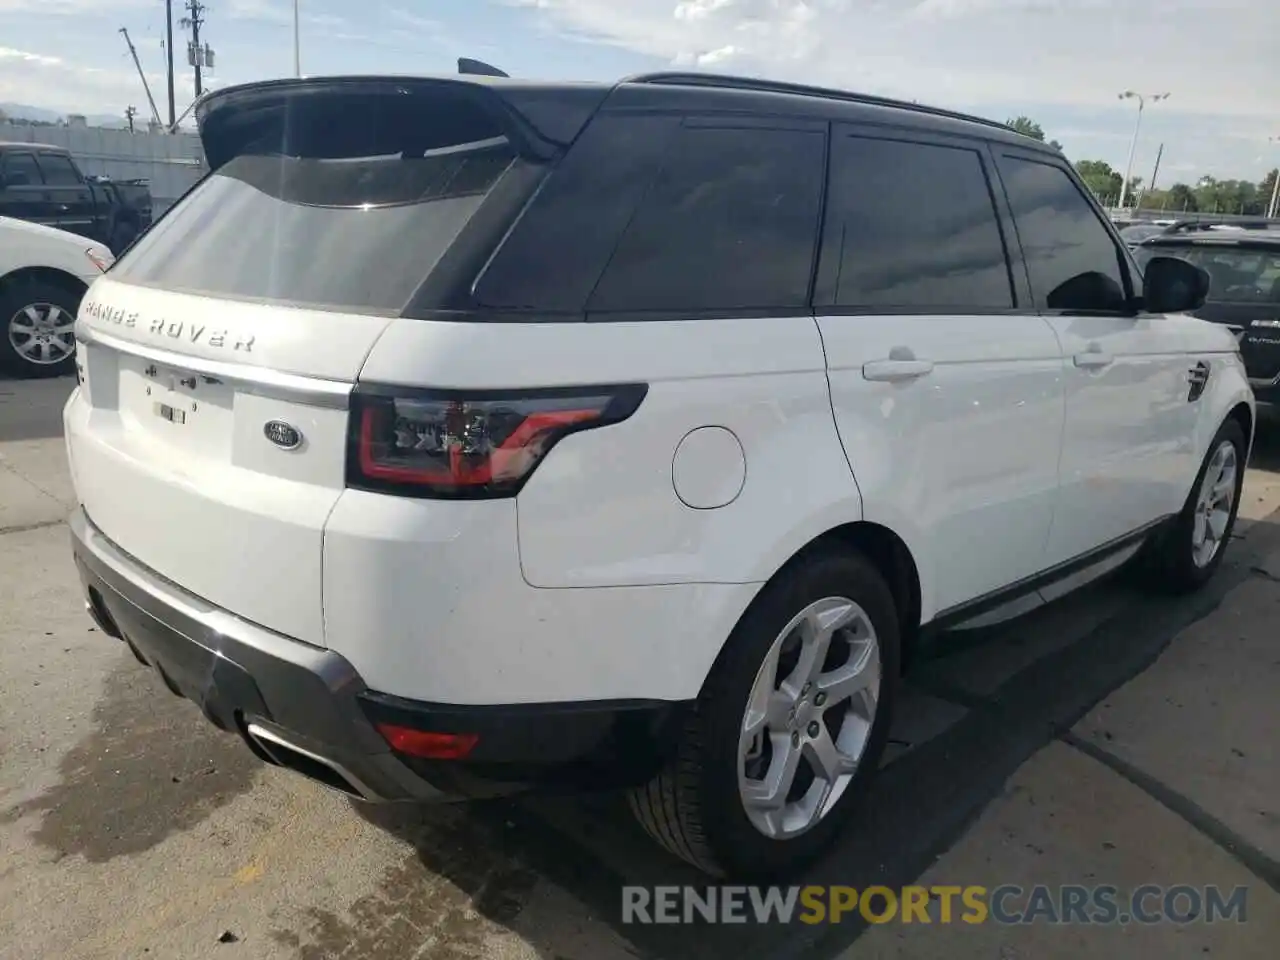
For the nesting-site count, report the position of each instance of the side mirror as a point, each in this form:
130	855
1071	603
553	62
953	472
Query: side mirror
1170	285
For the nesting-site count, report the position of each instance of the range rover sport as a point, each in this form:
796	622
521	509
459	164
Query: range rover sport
459	436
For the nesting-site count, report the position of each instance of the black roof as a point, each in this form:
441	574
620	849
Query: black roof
557	111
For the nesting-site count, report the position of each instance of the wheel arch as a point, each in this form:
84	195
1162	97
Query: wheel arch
886	550
1243	414
51	275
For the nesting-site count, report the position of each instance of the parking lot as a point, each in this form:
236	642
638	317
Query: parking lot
1112	738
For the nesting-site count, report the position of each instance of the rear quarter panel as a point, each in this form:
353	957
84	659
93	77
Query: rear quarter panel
602	509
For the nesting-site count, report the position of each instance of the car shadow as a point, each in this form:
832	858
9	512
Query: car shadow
971	713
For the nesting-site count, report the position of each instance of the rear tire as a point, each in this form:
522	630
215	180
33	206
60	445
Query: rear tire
1185	556
37	328
697	808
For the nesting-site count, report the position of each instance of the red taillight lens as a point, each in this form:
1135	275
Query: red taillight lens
430	746
447	444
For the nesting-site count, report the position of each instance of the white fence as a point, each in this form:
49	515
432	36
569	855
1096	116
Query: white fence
171	162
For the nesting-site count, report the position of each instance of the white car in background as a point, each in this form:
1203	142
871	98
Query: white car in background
44	274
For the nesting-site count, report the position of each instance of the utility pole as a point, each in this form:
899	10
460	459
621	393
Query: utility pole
168	49
297	42
1156	172
196	55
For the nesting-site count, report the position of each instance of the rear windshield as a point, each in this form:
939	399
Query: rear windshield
354	233
1237	274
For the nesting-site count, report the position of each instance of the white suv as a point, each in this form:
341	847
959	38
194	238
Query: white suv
459	436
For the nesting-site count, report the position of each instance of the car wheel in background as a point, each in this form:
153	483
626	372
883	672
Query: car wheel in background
37	328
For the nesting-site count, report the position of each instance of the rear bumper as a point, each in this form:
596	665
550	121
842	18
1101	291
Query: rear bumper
308	709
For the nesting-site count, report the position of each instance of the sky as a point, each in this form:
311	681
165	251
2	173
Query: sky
1061	62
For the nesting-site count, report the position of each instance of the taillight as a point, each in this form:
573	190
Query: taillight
473	444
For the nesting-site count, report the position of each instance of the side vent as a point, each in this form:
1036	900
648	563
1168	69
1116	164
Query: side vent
1198	377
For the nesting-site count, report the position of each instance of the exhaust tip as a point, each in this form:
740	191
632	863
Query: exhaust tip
99	614
313	766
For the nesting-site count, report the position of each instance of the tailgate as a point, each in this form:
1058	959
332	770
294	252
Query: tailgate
181	442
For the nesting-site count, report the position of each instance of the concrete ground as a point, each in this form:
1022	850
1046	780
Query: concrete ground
1110	739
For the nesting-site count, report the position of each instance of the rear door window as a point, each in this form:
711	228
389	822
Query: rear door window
58	170
912	226
727	226
1073	264
20	170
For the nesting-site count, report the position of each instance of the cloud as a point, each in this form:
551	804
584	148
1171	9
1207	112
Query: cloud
71	7
71	88
965	52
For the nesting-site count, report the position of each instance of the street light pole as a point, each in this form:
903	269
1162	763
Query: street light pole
1275	188
297	43
1133	146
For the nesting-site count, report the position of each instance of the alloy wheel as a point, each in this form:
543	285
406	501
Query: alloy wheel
809	717
43	333
1213	504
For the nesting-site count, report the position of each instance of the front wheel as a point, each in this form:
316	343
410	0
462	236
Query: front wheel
790	726
1188	554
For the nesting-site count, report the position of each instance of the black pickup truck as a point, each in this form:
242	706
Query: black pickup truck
42	183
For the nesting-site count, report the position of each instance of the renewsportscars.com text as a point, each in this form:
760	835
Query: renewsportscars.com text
1006	904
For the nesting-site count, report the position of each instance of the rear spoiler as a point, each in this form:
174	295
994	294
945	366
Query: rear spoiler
540	119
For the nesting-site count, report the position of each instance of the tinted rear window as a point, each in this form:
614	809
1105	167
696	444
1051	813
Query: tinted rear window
1236	274
352	233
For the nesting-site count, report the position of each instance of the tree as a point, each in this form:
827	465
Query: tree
1101	179
1229	196
1027	127
1181	197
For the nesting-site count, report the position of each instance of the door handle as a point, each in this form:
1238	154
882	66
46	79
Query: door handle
901	365
63	207
1093	358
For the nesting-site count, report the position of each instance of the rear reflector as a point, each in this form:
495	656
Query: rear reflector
447	444
429	746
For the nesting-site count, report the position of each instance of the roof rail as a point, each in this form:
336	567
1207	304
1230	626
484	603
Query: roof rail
695	79
1189	226
478	68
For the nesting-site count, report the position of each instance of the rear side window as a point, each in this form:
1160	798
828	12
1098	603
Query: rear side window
729	223
912	225
1072	262
58	170
20	170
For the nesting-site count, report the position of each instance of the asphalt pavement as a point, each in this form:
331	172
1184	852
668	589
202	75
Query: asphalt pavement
1112	738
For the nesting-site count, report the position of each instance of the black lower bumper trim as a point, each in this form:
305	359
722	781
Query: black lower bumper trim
299	706
557	745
